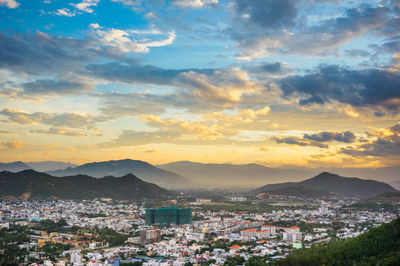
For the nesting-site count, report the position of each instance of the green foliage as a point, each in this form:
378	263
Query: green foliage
112	237
379	246
235	260
42	185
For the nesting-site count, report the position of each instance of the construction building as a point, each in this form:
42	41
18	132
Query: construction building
168	216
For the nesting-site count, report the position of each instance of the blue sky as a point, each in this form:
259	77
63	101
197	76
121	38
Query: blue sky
213	80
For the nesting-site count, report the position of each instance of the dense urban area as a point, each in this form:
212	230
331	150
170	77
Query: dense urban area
225	228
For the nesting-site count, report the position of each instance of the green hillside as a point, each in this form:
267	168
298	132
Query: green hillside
379	246
30	184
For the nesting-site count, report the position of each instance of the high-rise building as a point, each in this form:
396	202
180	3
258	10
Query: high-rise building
168	216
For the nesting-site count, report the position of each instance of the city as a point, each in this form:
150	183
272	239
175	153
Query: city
108	232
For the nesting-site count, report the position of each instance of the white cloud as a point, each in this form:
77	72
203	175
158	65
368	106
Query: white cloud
65	12
86	5
126	40
9	3
194	3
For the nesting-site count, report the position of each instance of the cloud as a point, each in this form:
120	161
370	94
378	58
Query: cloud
316	139
377	88
223	87
40	53
262	28
267	14
384	142
13	144
9	3
194	3
126	41
299	141
72	120
86	5
74	86
64	12
347	136
61	131
131	73
271	67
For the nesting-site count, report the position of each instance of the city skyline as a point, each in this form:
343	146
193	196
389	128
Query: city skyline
302	83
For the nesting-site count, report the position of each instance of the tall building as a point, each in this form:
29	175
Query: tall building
168	216
150	236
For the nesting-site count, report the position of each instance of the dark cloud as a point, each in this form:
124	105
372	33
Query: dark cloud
56	87
40	53
359	88
383	143
268	14
379	148
324	136
259	33
271	67
299	141
136	73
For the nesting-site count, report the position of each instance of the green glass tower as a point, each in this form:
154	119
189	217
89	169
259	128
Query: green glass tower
168	216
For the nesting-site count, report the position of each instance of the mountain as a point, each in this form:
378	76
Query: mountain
378	246
29	183
298	191
143	170
46	166
345	186
231	175
13	167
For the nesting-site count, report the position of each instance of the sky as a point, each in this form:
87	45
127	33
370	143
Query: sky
278	82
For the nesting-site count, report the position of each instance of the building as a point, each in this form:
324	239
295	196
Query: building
238	199
203	200
292	234
150	236
76	258
271	228
168	216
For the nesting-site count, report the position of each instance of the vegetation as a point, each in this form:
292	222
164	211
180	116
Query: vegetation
29	183
379	246
112	237
345	186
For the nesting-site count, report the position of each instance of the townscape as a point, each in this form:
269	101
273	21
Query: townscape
109	232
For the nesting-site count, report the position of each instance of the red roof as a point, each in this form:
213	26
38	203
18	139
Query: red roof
294	227
235	247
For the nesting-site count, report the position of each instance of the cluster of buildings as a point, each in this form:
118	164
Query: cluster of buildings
170	236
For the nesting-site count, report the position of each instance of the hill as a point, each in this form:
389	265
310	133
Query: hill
45	166
379	246
298	191
28	183
234	175
143	170
345	186
13	167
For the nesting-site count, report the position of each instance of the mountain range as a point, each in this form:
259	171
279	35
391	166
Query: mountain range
192	174
332	183
31	184
141	169
13	167
232	175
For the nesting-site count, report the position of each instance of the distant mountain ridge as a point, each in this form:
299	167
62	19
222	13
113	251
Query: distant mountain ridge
14	166
141	169
231	175
345	186
31	184
45	166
